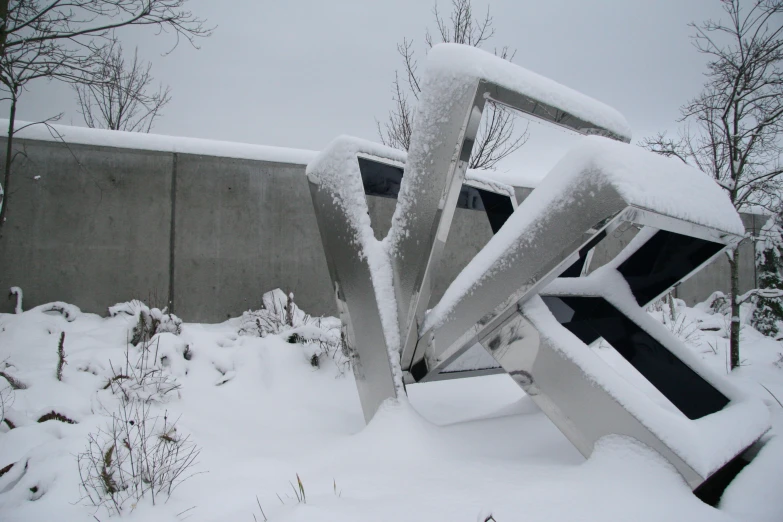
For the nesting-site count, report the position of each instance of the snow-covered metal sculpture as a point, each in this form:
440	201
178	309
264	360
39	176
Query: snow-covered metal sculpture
359	264
525	299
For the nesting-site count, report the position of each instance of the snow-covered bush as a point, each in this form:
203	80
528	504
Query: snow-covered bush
320	336
669	310
768	312
143	377
718	303
68	311
277	314
137	455
6	398
685	330
149	321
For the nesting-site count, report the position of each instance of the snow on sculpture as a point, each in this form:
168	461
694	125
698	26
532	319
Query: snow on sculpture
526	299
359	264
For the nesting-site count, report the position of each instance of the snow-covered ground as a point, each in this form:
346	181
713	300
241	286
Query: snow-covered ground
261	414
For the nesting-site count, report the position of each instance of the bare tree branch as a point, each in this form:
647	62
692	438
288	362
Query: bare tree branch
68	41
497	137
120	95
734	128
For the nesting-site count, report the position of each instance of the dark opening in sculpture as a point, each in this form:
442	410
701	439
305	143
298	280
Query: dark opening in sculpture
590	318
383	180
663	261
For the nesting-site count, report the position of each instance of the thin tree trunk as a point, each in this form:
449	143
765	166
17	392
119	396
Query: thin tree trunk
8	159
735	309
3	25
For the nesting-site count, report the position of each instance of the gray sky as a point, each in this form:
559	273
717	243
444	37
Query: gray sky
298	73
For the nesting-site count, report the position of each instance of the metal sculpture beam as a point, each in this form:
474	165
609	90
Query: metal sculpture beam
344	173
457	83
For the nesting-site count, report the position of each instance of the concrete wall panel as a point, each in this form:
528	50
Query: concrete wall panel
242	228
86	225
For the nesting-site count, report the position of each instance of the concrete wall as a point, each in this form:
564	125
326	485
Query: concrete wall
241	228
715	276
96	225
206	235
92	232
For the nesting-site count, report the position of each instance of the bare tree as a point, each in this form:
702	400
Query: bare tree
120	95
64	39
496	138
733	129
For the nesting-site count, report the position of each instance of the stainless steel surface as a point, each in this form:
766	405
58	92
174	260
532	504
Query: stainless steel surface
661	221
435	168
352	285
349	271
493	313
546	112
541	252
532	268
582	409
652	221
434	172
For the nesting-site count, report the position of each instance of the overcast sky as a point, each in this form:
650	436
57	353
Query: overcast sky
297	73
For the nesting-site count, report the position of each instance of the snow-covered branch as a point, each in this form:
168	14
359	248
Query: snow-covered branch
767	293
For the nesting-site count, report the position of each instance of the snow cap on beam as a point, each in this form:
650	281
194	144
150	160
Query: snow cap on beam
464	60
639	178
650	181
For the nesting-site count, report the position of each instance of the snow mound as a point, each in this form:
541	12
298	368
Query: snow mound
262	414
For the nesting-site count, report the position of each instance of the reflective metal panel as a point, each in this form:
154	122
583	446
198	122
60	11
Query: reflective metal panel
544	111
681	262
583	411
362	327
494	305
591	318
435	169
437	161
345	168
541	251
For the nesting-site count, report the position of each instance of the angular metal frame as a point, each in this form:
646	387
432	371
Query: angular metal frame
528	345
437	171
498	313
474	316
352	279
348	264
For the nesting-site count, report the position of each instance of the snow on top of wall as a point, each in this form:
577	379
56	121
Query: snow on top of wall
158	142
651	181
227	149
467	60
